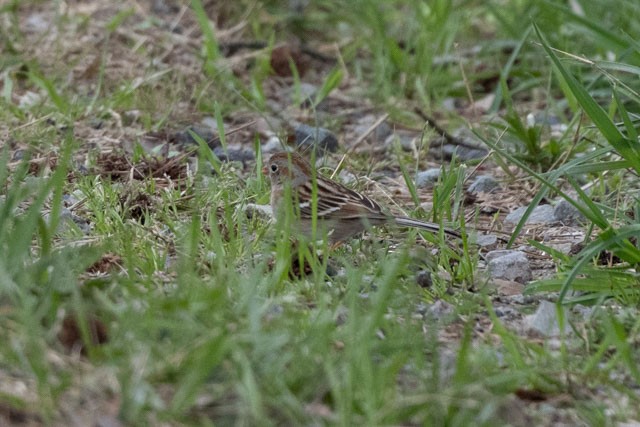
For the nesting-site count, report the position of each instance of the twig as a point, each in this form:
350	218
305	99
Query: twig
446	135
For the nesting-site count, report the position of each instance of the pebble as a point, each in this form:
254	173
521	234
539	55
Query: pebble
234	154
507	287
66	218
407	143
184	136
253	210
542	214
484	184
317	138
423	279
462	152
272	145
509	265
486	239
545	320
428	178
567	214
439	310
379	134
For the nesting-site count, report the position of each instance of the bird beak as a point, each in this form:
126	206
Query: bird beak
265	171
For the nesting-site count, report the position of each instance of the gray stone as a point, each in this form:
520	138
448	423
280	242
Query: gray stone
542	214
71	199
497	254
567	214
465	145
316	138
509	265
253	210
439	310
378	135
428	178
272	145
305	96
209	122
234	154
486	239
185	137
407	143
506	312
423	279
462	152
67	218
583	311
484	184
543	118
506	287
545	320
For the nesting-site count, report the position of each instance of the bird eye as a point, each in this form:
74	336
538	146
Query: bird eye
274	168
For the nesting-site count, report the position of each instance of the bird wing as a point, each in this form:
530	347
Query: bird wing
336	201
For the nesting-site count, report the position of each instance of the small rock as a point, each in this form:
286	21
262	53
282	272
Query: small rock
472	149
542	214
37	23
504	311
131	116
342	315
28	100
483	105
554	122
421	308
233	154
317	138
545	320
273	312
308	91
426	206
253	210
507	287
484	240
379	134
67	218
209	122
583	311
70	199
407	143
497	254
272	145
17	155
450	104
96	123
567	214
81	169
428	178
164	7
509	265
205	133
484	184
542	118
462	152
423	279
439	310
83	224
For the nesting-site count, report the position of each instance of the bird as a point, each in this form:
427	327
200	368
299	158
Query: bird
341	212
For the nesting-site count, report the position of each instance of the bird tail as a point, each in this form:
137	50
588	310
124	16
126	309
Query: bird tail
429	226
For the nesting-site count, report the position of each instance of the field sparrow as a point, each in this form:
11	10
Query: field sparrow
340	210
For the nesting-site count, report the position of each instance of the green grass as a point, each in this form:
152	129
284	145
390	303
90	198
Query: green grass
208	322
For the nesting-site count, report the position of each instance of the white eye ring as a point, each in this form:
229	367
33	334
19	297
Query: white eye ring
274	168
